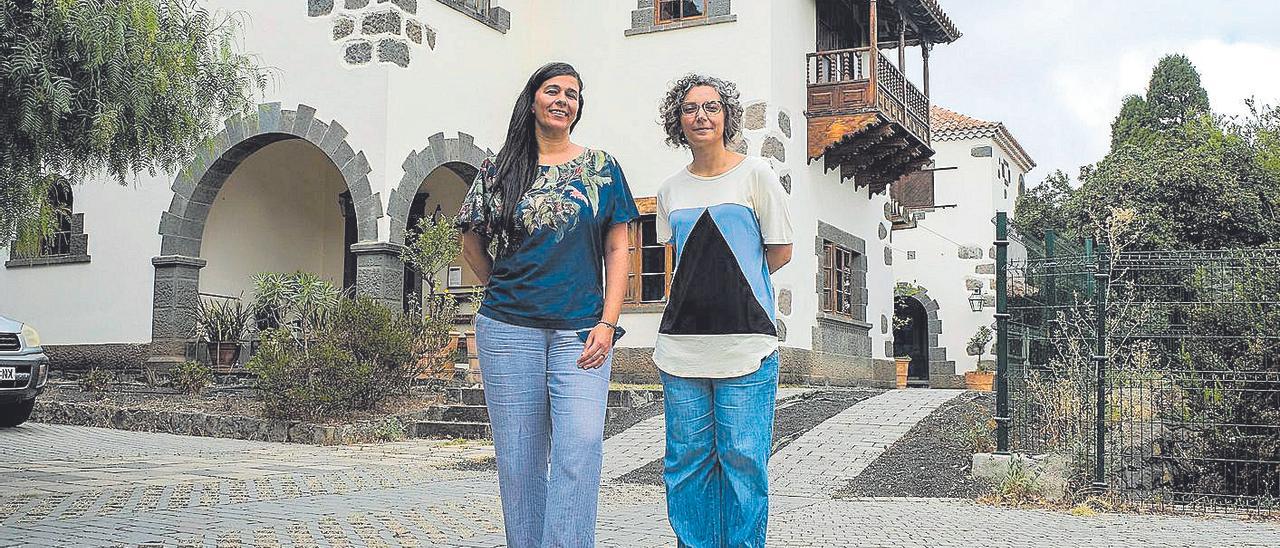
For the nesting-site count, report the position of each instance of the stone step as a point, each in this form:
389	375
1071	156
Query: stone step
452	429
459	413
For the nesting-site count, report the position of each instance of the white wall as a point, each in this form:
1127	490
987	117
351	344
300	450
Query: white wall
977	194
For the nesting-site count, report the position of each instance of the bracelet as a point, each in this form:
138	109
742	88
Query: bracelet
611	326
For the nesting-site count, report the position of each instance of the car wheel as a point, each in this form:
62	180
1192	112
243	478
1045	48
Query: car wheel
13	414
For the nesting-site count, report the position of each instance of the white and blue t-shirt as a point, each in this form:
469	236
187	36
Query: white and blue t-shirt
719	319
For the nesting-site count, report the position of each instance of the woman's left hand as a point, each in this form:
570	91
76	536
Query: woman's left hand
599	343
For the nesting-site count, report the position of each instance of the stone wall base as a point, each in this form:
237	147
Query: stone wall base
83	357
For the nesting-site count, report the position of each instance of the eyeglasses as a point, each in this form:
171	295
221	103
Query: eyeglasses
691	109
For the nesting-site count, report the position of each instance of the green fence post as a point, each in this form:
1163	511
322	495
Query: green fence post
1002	333
1101	274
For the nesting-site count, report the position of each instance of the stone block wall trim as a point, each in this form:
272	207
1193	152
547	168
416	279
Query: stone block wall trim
385	31
439	151
177	278
497	18
642	21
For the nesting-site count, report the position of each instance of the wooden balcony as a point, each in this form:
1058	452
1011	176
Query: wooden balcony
865	118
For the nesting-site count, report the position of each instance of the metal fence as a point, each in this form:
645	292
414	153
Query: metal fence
1155	374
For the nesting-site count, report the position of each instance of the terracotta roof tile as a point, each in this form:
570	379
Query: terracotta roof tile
949	125
946	120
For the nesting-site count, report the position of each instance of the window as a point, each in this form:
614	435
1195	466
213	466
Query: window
674	10
57	242
479	6
649	280
837	279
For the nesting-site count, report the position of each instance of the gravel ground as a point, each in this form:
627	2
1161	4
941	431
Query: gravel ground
794	416
933	458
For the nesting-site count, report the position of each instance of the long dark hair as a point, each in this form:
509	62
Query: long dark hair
518	159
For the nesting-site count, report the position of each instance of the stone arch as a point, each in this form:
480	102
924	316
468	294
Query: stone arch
460	151
939	366
195	188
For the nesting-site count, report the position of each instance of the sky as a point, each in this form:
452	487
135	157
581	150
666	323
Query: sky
1056	71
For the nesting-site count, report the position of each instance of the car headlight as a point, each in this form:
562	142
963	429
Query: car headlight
43	375
30	335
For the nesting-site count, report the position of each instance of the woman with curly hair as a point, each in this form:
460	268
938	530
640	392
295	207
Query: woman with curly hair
558	214
727	216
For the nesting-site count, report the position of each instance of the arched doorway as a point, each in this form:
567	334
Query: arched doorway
277	190
435	181
440	196
283	209
917	330
911	337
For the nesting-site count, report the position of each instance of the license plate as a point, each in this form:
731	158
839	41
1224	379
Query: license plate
8	374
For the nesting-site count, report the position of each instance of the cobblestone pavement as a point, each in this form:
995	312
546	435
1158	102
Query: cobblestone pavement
646	441
825	458
75	486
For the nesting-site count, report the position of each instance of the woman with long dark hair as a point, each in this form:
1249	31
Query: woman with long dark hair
557	214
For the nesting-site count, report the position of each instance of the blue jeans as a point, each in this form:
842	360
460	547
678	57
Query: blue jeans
719	436
548	431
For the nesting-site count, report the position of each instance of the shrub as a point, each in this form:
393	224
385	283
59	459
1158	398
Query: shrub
97	380
191	378
364	354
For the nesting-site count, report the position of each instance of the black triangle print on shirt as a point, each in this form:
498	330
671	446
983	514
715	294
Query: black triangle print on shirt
710	295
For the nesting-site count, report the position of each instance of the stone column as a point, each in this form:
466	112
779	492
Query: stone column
175	303
380	272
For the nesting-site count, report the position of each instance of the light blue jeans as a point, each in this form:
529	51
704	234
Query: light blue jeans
548	431
719	436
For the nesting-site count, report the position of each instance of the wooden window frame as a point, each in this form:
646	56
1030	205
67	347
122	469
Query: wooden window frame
657	13
837	265
635	272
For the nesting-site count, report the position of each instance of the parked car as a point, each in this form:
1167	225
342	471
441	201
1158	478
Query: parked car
24	369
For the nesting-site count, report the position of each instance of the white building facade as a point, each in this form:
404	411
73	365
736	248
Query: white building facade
380	113
947	258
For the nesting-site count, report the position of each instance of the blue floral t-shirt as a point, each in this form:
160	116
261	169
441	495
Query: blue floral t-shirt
550	274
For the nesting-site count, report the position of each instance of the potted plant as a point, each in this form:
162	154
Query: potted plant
221	323
903	363
984	377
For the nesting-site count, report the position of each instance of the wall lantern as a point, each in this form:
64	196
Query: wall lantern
976	300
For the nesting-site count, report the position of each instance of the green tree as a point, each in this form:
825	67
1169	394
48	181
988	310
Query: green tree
108	88
1046	206
1175	95
1134	121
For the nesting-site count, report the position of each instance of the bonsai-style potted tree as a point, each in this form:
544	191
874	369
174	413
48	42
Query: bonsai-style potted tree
984	377
221	322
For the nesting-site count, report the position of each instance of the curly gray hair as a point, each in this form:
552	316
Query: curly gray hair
670	108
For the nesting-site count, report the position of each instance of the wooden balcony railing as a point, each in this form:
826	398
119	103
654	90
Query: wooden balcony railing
839	66
895	92
843	79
